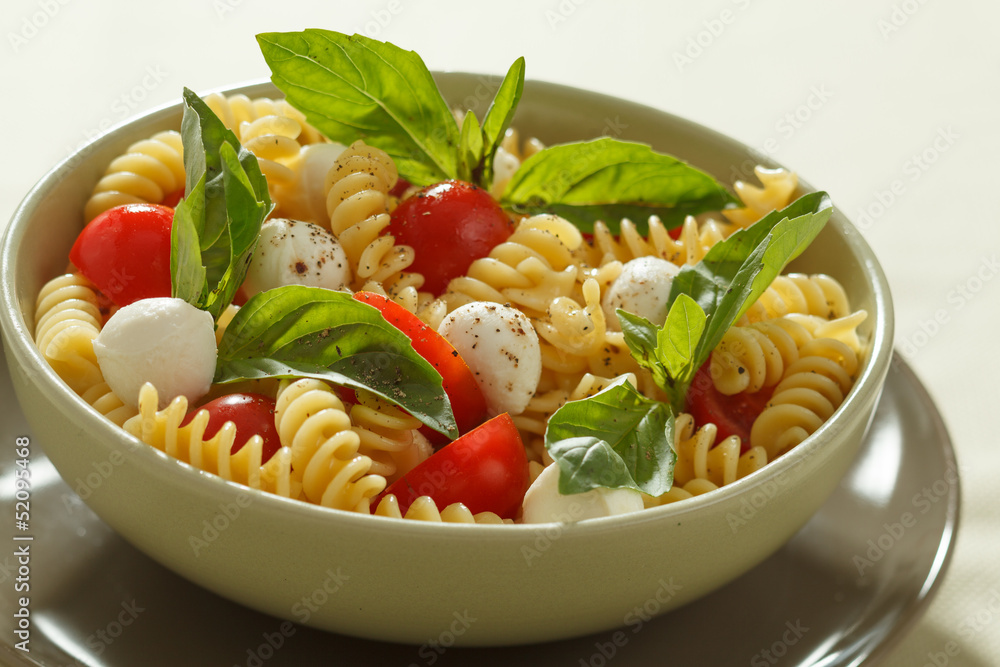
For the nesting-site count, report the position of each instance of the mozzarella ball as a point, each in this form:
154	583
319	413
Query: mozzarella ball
501	348
543	502
642	289
291	252
163	341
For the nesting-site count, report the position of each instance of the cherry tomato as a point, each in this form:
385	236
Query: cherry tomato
125	252
448	225
252	414
733	415
486	469
398	190
173	198
460	384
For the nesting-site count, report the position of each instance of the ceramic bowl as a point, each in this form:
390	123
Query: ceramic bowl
416	582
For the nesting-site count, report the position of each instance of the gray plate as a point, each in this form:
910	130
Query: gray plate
845	588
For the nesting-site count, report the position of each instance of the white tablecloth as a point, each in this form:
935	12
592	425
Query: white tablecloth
891	106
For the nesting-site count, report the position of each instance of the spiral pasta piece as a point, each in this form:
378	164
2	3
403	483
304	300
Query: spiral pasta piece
819	294
162	429
314	426
704	466
689	248
749	358
778	186
424	509
810	391
388	436
357	202
147	172
235	110
67	320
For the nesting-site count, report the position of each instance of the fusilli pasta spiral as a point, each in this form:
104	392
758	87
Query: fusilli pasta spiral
147	172
808	394
314	426
162	429
749	358
424	509
67	320
357	202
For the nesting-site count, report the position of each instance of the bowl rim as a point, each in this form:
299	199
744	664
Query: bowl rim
20	342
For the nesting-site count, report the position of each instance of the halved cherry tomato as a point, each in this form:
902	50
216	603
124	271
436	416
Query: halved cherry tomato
448	225
125	252
486	469
252	414
398	190
459	383
732	415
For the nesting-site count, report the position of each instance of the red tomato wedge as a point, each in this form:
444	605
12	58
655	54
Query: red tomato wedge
485	469
125	252
448	225
460	384
252	414
732	415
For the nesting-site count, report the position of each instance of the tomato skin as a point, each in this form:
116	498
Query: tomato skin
732	415
252	414
467	401
173	199
485	469
125	252
448	225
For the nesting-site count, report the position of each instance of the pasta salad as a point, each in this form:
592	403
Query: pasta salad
360	297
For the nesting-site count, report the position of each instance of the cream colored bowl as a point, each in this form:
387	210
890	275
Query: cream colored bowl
416	582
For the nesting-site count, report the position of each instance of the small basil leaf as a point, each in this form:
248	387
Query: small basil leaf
615	439
354	87
187	274
296	331
641	336
677	341
470	151
498	117
588	180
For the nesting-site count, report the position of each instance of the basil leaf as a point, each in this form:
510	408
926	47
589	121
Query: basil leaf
642	338
353	87
470	151
615	439
219	220
603	178
300	331
188	277
678	339
735	272
498	117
